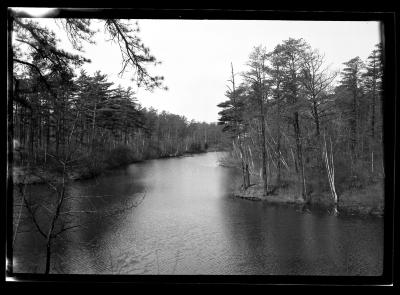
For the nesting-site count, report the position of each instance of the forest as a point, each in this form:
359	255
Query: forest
61	112
295	123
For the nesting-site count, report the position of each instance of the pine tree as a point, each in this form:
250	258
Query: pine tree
352	82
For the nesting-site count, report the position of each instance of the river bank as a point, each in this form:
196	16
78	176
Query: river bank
23	175
367	201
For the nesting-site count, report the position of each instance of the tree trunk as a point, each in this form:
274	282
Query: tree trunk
54	220
93	127
300	155
331	173
31	134
62	128
264	149
278	178
247	175
373	100
316	118
373	125
57	133
353	126
21	125
47	137
48	256
39	124
242	162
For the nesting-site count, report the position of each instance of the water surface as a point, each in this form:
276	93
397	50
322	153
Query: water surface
189	224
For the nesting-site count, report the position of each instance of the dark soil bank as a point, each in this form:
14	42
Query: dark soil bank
368	200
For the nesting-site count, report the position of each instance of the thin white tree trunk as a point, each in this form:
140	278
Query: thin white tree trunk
372	162
332	167
329	164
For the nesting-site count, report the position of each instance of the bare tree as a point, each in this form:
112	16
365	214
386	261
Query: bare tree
315	80
257	77
240	135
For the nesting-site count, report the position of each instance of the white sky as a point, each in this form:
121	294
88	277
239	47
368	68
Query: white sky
196	55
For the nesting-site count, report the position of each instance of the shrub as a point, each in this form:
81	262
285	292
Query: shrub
195	147
120	155
93	166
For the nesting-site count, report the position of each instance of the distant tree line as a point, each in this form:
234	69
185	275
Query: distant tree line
99	121
292	122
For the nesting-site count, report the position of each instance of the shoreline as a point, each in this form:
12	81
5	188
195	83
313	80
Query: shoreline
366	201
20	175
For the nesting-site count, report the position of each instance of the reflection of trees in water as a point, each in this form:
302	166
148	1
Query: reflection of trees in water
101	234
84	217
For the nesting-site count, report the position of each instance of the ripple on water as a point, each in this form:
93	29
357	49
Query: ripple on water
187	224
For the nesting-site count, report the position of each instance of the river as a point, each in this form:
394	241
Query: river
188	223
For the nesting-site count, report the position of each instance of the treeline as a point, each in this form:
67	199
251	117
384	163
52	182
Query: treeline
84	119
295	123
97	121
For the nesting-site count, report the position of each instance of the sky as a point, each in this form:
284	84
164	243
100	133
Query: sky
196	55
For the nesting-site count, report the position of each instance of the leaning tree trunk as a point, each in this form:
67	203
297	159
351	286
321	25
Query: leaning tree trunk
331	173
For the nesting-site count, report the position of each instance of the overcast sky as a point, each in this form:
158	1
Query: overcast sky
196	55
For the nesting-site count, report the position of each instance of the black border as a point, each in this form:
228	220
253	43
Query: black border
388	18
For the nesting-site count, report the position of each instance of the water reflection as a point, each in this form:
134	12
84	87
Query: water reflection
189	224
